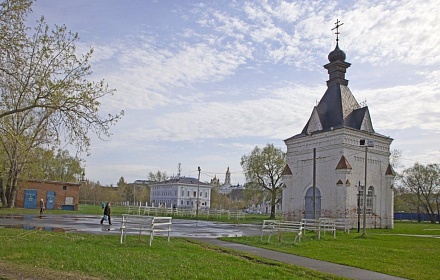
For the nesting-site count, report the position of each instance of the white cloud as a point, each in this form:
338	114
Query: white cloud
243	73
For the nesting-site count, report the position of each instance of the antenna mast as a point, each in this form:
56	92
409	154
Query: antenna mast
179	170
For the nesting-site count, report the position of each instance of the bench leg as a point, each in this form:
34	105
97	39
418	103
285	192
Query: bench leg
123	233
151	236
297	237
269	237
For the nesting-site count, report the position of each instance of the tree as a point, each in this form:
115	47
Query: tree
395	159
46	165
46	98
424	183
91	192
159	176
263	168
126	191
253	194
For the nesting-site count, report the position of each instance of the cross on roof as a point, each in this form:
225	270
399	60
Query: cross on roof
338	24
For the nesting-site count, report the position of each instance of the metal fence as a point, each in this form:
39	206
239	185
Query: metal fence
400	216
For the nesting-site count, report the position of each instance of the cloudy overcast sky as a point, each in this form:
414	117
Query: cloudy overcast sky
204	82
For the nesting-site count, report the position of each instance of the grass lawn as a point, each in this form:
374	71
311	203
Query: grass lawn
410	250
387	251
27	254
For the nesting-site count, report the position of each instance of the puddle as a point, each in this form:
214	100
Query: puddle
18	218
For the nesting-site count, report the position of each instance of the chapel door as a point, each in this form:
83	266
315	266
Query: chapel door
308	214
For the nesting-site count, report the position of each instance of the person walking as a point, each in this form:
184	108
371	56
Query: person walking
107	212
41	206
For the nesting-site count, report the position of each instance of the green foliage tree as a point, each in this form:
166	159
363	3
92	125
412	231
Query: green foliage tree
126	190
253	194
53	167
263	168
223	201
423	181
46	97
91	193
159	176
142	193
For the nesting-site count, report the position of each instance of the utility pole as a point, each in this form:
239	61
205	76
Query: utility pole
198	192
366	143
359	206
314	184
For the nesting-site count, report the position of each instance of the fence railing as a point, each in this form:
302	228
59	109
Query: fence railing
400	216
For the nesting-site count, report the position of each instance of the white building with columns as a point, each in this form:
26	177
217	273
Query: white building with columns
326	162
181	192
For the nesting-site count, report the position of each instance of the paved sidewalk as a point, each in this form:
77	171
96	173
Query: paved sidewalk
327	267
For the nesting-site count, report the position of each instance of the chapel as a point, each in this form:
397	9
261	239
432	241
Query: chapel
336	153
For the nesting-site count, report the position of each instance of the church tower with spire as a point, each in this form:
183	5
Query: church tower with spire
227	178
326	165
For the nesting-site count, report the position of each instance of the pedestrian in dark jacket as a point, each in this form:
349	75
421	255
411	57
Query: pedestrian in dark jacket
41	206
107	212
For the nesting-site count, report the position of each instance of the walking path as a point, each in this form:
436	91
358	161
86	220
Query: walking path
327	267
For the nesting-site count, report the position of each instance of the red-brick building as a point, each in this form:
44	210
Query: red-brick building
56	195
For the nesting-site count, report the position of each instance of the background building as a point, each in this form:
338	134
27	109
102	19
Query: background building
56	195
181	192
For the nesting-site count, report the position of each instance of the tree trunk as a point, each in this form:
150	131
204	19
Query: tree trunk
272	203
11	185
3	198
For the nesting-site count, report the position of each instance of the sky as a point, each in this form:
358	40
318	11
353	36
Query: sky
202	83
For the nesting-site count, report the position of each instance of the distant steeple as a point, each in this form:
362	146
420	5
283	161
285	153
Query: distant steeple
215	181
228	177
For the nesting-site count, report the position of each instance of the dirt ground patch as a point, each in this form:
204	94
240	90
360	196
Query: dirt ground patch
12	271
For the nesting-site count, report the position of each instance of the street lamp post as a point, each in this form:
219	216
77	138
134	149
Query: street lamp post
366	143
198	192
359	206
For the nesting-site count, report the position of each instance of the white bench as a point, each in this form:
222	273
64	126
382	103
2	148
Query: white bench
277	226
312	225
140	223
343	224
328	225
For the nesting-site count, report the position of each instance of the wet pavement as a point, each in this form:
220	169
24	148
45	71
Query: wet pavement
90	224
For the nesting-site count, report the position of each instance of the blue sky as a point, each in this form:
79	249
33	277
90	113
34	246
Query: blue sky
204	82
